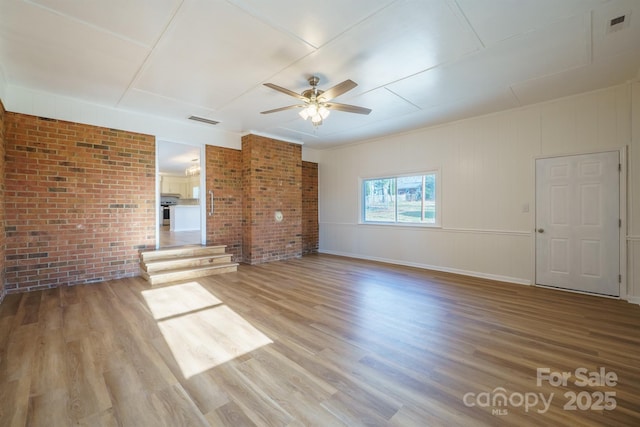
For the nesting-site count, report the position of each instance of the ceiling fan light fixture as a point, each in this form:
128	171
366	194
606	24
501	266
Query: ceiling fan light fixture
323	111
316	111
312	109
317	103
316	120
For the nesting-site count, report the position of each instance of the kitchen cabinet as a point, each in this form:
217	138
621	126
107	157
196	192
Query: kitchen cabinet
184	218
182	185
176	185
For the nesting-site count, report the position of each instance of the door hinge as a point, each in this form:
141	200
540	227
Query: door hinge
619	223
619	278
619	167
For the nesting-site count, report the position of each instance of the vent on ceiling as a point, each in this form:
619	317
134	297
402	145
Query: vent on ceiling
618	23
203	120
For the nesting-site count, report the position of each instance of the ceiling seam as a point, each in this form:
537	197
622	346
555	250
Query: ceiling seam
268	22
170	98
221	107
249	11
471	27
87	24
515	96
403	98
152	48
253	14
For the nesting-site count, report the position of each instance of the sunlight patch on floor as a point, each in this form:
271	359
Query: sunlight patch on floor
178	299
200	330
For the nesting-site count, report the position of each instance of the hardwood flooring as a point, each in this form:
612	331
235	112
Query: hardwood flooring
170	238
321	340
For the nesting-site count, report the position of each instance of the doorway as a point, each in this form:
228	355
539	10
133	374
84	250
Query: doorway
180	178
578	223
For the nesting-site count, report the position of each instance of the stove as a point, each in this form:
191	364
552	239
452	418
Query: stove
166	201
169	199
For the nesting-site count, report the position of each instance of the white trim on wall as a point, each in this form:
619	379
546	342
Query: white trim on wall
634	300
499	278
476	156
624	195
453	248
438	229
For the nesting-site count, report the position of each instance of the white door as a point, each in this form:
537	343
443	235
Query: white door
577	223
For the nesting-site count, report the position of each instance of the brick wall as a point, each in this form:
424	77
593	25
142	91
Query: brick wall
271	181
79	202
310	230
3	235
224	178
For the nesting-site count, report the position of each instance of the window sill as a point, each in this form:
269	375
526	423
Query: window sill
400	224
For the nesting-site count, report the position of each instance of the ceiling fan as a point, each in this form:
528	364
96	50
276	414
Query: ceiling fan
317	102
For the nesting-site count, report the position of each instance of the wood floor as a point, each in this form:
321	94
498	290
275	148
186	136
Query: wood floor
178	238
322	341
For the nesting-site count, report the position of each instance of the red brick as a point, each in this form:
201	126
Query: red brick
3	233
271	181
310	227
77	201
59	217
224	178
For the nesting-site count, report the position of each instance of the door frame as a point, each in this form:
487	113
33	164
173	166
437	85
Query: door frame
202	196
622	233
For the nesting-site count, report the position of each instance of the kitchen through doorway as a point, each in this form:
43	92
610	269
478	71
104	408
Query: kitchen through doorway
180	179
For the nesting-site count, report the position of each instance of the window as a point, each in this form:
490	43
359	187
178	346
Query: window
401	200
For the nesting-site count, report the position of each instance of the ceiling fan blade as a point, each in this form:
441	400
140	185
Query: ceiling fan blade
348	108
285	91
337	90
275	110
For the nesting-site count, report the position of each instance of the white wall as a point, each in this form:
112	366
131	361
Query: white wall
3	86
42	104
487	171
487	177
633	227
27	101
310	155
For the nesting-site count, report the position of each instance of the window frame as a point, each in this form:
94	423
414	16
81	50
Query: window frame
438	205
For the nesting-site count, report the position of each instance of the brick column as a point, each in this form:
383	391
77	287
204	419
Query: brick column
3	233
224	178
310	229
271	182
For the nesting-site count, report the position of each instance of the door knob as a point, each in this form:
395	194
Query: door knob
540	230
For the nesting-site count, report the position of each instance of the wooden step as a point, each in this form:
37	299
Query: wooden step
183	251
180	274
185	263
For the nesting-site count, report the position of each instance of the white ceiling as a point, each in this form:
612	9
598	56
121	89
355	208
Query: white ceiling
417	63
175	158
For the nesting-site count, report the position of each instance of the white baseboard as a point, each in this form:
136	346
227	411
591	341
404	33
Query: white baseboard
633	300
480	275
